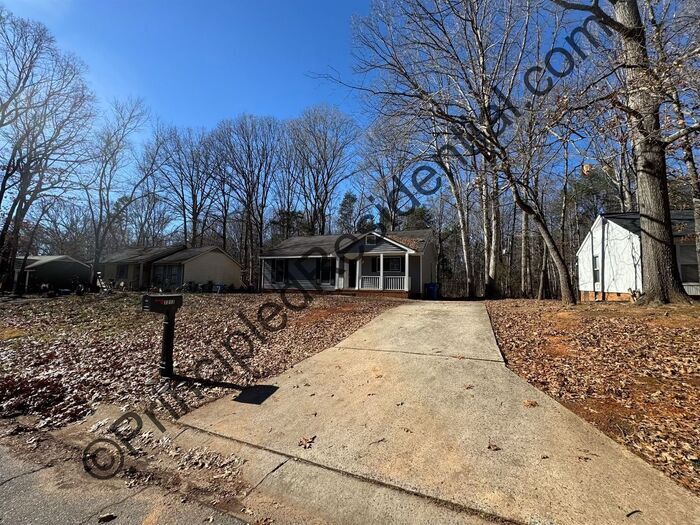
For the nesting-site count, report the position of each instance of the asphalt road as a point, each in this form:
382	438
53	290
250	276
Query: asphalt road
38	494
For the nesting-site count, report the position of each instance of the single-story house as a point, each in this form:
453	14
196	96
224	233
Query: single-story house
399	263
198	266
609	259
133	265
58	271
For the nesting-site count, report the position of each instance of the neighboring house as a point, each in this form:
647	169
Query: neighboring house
133	266
58	271
610	263
196	265
396	262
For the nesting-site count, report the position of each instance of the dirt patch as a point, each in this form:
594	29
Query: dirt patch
632	371
10	332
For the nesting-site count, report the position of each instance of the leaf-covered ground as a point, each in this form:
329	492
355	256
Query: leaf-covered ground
632	371
60	358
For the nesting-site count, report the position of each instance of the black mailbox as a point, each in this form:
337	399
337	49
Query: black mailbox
164	304
161	303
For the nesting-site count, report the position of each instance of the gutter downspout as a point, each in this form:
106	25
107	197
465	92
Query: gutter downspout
601	270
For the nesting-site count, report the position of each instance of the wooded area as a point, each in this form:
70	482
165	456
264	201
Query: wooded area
534	117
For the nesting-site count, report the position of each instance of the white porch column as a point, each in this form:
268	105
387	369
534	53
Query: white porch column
337	272
358	273
405	275
381	271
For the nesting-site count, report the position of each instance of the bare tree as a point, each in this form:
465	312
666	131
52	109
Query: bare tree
644	89
45	108
115	173
324	139
186	173
387	155
250	150
457	61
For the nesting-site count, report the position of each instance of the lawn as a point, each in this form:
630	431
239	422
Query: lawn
61	358
632	371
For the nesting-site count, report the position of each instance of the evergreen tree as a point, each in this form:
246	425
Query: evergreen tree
346	213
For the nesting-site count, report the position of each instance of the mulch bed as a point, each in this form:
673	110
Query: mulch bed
61	358
632	371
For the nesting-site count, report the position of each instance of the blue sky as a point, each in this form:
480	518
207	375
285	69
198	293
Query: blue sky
196	62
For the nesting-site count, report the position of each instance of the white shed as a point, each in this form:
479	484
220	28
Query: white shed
609	259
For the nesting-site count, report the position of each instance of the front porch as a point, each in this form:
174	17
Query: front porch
379	272
397	273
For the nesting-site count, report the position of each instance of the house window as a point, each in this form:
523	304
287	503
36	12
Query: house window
375	264
122	271
173	275
394	263
279	268
596	269
328	271
371	240
687	260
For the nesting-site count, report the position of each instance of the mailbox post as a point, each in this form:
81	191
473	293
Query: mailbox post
168	305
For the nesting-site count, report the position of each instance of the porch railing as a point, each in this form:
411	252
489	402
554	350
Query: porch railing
369	282
391	283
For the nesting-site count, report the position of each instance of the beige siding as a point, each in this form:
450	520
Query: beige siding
213	266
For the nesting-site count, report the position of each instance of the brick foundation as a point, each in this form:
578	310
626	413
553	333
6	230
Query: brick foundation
604	296
350	292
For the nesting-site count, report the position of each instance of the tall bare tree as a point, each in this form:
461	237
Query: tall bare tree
644	90
387	154
186	172
250	151
324	140
458	61
116	171
45	108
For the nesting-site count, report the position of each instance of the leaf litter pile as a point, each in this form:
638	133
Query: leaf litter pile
632	371
61	358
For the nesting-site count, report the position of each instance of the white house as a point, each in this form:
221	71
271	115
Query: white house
610	263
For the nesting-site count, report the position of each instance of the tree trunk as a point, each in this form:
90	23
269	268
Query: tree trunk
463	226
567	291
542	288
491	286
525	256
660	274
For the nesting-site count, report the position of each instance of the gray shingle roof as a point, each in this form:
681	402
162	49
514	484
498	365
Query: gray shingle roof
190	253
34	261
414	239
329	244
682	222
309	245
140	255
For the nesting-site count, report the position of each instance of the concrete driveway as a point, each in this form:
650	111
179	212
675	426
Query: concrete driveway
415	418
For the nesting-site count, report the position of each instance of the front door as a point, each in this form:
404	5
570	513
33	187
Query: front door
351	280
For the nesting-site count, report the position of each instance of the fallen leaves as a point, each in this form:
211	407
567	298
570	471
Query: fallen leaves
632	371
307	442
493	446
530	403
69	355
